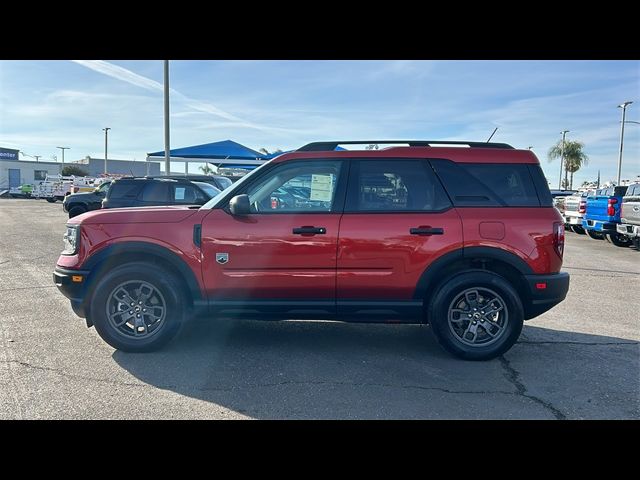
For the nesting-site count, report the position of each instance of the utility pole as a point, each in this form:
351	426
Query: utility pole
564	132
624	111
167	155
106	134
63	149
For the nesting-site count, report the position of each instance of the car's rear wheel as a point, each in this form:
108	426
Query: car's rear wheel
51	199
578	229
75	211
595	235
138	307
476	315
618	240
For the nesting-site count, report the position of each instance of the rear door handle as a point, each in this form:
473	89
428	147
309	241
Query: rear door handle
309	230
426	231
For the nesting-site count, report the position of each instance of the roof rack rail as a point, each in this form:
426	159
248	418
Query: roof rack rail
329	146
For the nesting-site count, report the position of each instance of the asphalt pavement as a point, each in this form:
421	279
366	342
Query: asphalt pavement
581	360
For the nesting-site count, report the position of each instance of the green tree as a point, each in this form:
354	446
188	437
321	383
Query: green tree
76	170
574	158
206	169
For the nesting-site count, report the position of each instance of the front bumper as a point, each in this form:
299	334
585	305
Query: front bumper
545	292
72	284
629	230
599	226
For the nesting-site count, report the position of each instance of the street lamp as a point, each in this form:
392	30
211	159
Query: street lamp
167	152
623	106
106	133
564	132
63	149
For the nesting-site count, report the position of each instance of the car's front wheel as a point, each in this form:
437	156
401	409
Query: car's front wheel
75	211
476	315
595	235
619	240
137	307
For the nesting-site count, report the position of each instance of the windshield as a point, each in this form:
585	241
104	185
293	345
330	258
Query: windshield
210	190
215	200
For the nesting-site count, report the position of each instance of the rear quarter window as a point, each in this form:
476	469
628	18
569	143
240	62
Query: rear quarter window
493	184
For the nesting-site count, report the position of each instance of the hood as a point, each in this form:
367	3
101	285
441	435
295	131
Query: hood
80	195
171	214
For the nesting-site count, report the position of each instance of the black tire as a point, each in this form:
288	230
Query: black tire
51	199
595	235
77	210
618	240
172	295
578	229
453	288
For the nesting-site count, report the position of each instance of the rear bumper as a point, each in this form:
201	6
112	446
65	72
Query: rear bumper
545	292
599	226
72	284
629	230
573	220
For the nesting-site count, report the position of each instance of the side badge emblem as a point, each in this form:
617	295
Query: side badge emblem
222	258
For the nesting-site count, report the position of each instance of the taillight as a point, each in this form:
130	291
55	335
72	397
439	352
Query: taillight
558	238
611	211
583	206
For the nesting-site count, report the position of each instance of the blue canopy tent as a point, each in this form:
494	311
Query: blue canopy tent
226	153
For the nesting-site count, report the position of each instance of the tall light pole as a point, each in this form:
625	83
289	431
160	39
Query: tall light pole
564	132
167	156
623	106
106	134
63	149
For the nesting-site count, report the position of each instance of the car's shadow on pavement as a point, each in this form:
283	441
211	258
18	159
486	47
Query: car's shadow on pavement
336	370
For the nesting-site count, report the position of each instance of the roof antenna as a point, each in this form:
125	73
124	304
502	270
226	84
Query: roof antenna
494	132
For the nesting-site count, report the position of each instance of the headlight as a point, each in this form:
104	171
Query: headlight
70	238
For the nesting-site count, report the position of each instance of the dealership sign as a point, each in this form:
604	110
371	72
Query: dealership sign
8	154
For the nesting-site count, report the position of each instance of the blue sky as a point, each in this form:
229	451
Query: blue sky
285	104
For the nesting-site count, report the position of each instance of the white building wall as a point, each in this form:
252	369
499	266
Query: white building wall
27	171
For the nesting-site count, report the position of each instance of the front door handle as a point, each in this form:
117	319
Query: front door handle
309	230
426	231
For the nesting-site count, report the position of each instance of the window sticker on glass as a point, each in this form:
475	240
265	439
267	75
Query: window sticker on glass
180	193
321	188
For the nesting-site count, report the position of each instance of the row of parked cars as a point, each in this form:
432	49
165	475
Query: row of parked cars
146	192
611	213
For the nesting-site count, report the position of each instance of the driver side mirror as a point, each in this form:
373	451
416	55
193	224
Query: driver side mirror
240	205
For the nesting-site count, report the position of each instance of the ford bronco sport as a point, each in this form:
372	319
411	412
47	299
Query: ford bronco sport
460	235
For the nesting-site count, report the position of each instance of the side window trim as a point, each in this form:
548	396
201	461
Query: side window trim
338	199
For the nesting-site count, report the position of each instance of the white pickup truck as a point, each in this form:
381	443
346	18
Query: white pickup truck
574	209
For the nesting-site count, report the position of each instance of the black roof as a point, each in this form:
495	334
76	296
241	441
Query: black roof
330	146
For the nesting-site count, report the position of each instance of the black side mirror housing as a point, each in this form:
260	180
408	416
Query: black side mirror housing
240	205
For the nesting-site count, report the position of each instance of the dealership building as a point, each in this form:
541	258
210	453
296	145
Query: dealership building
15	172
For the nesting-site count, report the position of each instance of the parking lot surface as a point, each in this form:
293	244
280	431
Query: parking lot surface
581	360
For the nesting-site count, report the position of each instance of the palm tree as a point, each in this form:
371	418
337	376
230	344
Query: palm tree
574	158
206	169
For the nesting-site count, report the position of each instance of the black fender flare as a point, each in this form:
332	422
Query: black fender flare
433	271
100	258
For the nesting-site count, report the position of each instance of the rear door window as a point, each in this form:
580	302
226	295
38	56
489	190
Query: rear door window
155	192
394	185
491	184
120	190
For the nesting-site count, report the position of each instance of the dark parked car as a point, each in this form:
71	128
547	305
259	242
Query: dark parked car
157	191
217	181
78	203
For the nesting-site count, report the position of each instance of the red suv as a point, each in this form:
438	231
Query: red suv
460	235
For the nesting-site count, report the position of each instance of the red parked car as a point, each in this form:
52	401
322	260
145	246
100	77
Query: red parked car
462	237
